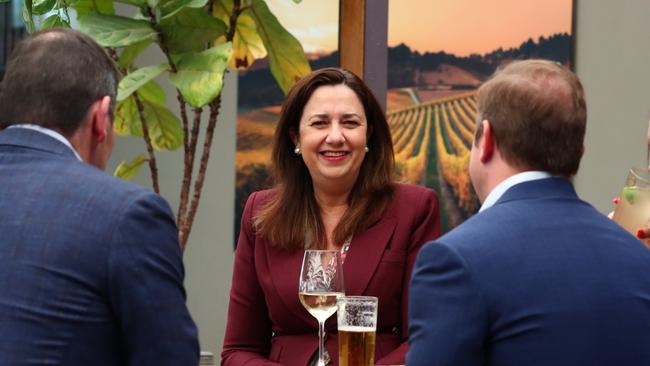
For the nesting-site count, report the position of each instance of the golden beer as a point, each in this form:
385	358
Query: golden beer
356	346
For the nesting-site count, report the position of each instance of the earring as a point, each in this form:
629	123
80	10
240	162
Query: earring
366	148
297	150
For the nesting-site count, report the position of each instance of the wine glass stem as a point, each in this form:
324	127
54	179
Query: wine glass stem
321	342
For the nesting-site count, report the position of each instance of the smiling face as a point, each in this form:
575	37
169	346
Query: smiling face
332	137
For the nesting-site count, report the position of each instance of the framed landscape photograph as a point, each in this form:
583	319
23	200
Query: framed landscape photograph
440	51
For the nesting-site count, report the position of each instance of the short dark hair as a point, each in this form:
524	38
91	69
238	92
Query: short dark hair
538	115
292	214
52	79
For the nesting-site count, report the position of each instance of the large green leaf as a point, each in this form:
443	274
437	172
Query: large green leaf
115	31
83	7
54	21
128	170
126	116
138	3
247	43
152	92
27	16
200	75
286	57
129	53
164	127
138	78
153	4
40	7
191	30
170	7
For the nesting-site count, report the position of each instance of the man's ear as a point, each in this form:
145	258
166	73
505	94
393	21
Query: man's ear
487	143
100	118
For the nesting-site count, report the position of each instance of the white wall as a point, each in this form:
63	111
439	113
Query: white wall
208	257
613	62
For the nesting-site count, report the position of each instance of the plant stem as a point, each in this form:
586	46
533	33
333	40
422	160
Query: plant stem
153	167
198	185
182	206
187	160
186	222
189	166
236	10
147	139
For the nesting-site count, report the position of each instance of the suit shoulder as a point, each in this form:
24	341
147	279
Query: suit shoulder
88	180
411	197
258	198
404	191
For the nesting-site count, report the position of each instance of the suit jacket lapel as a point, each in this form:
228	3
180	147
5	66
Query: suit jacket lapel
285	275
364	255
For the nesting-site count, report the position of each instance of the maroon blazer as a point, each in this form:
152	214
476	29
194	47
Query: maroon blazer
267	324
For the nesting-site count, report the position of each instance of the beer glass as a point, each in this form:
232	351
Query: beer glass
357	325
321	283
633	209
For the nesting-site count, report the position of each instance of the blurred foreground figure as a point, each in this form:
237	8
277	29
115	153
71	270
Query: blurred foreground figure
537	277
90	267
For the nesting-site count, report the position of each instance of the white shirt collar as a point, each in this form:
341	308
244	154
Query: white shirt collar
502	187
53	134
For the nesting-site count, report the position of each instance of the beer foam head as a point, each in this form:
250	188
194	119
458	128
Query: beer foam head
355	329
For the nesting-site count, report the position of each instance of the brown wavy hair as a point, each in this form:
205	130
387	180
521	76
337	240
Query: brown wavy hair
292	217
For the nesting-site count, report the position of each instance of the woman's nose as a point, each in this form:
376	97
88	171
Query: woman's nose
335	134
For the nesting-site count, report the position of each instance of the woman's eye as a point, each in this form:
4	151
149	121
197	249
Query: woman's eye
318	123
352	123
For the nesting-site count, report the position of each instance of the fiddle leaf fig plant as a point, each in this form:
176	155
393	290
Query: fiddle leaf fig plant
200	40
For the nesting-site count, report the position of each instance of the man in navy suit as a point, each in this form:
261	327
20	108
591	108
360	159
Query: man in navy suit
537	277
90	267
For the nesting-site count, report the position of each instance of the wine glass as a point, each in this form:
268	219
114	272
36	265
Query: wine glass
633	210
321	284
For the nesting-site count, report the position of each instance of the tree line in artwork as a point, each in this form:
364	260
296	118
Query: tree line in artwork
431	110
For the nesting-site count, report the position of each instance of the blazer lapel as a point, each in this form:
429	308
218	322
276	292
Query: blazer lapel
364	255
284	270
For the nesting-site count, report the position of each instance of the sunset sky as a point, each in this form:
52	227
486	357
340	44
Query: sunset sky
474	26
455	26
314	22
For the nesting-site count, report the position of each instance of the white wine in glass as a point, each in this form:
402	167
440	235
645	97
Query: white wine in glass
321	283
633	208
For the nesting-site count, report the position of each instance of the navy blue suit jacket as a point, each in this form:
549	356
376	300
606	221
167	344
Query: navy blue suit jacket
540	278
90	268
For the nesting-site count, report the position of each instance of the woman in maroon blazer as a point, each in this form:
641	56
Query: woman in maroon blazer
333	163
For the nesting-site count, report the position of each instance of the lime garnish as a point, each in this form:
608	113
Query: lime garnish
629	193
